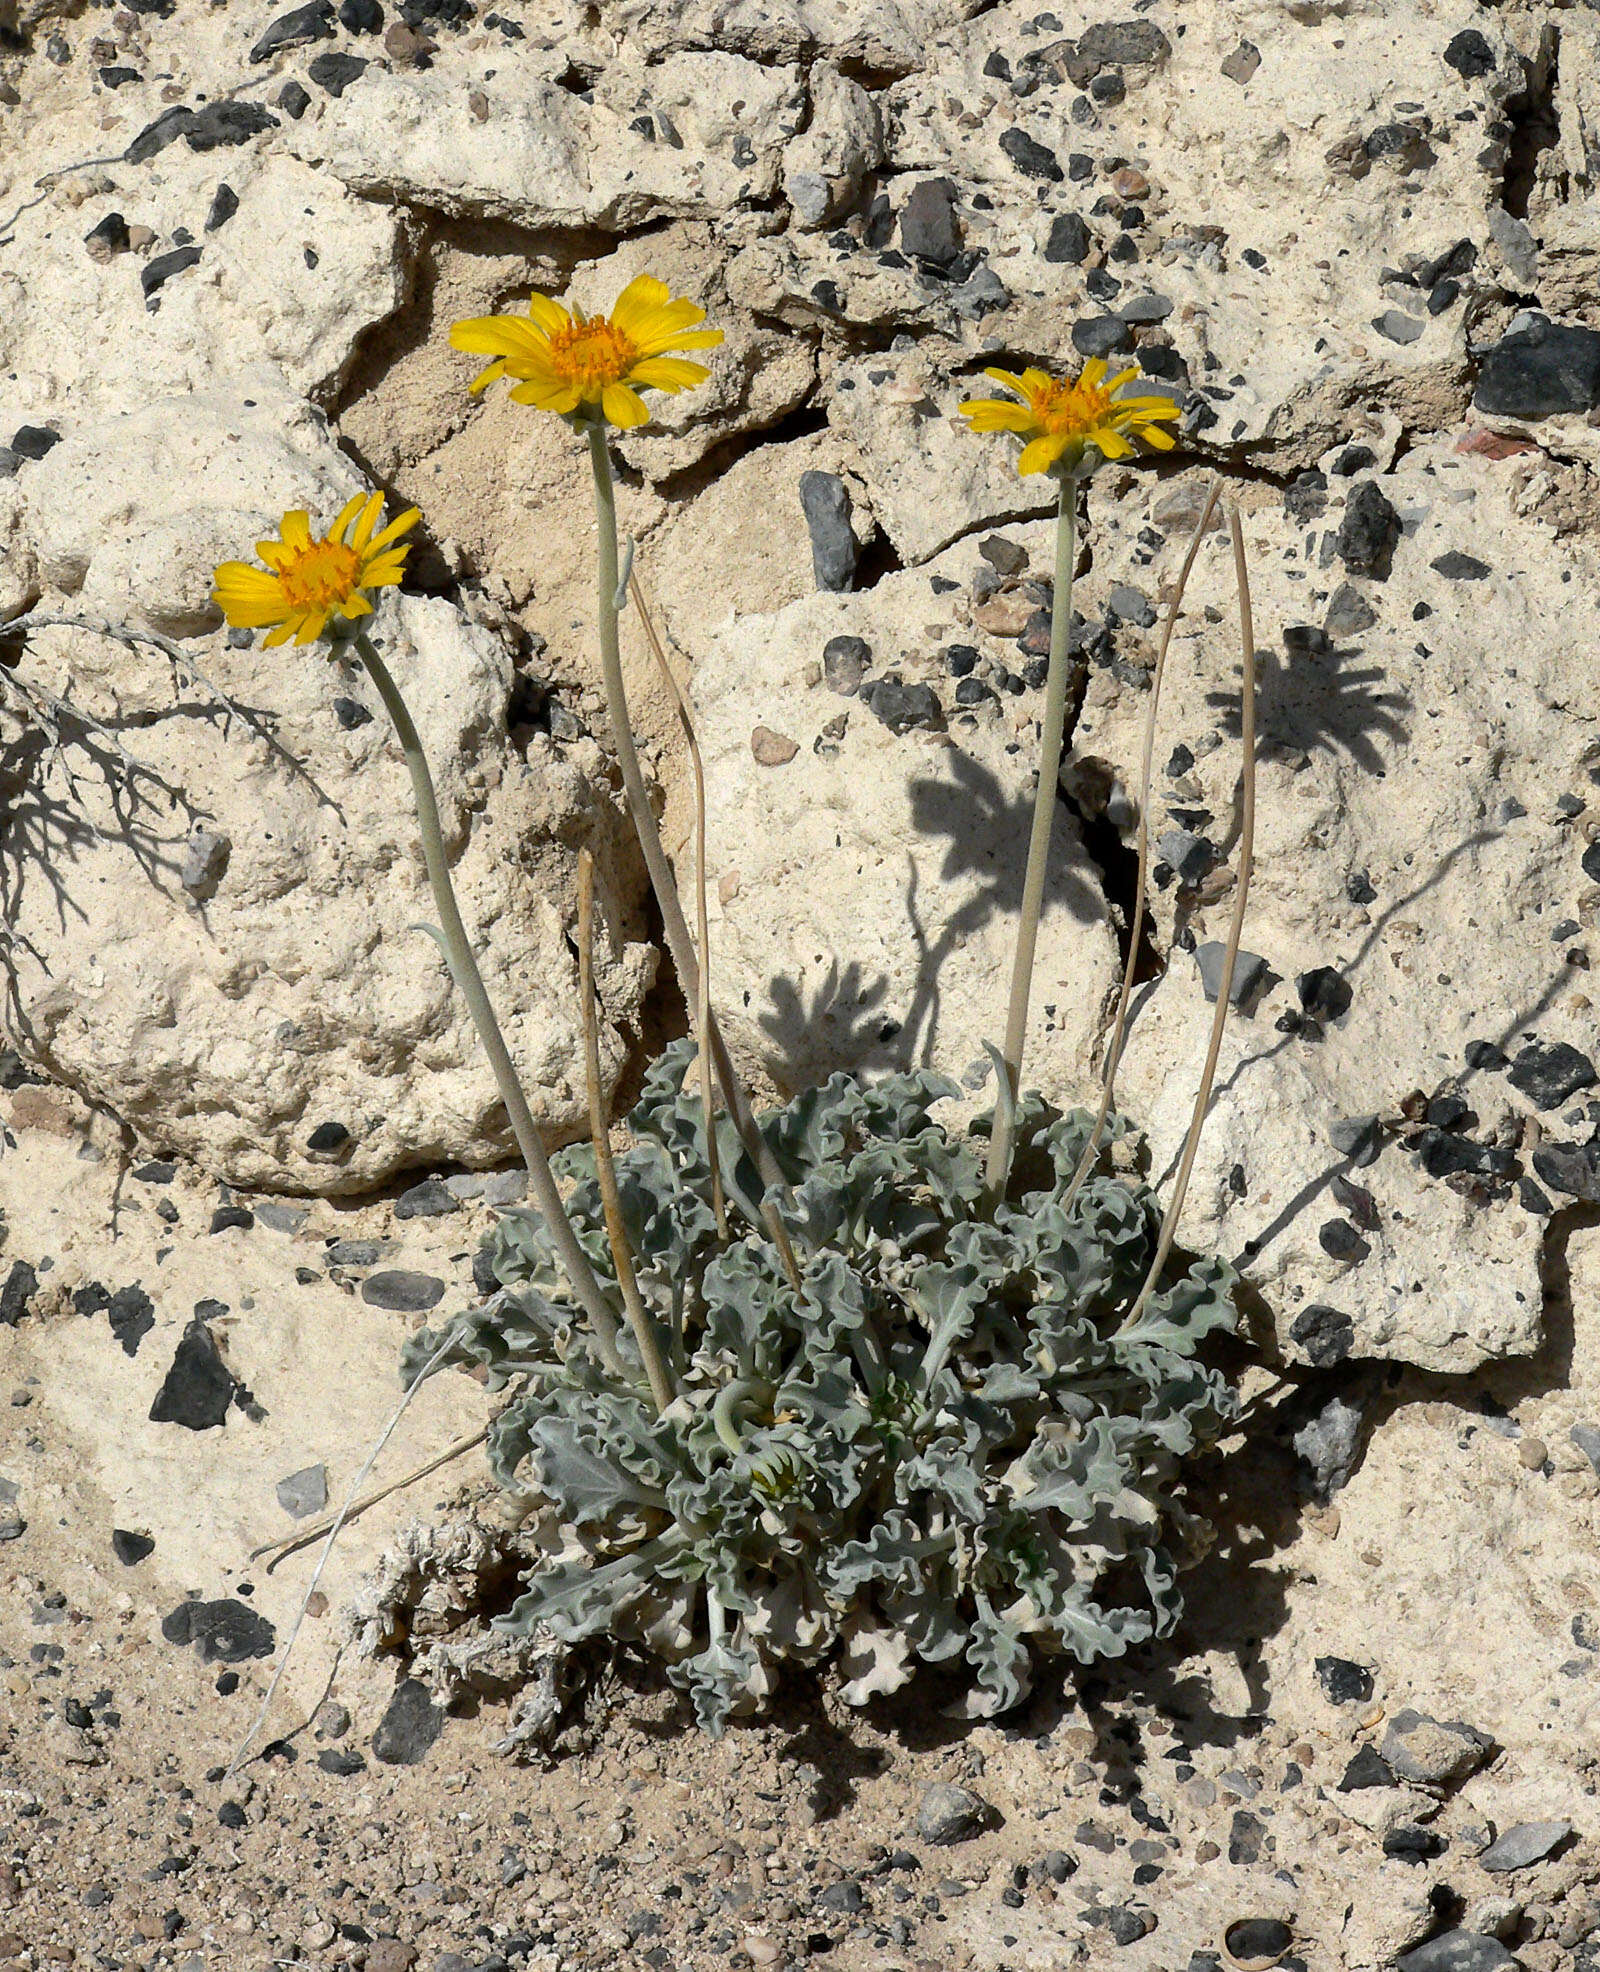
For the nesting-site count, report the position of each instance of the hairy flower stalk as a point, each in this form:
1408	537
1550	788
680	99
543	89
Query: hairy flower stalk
590	370
315	588
1068	426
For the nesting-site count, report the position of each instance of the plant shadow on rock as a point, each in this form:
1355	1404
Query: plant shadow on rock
1315	702
43	833
986	833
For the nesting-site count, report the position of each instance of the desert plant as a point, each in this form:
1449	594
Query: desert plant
949	1443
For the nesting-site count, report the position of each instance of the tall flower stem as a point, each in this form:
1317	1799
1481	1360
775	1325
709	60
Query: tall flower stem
1044	811
469	981
679	944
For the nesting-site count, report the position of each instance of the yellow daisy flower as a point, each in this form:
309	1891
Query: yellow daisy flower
566	361
1060	417
309	581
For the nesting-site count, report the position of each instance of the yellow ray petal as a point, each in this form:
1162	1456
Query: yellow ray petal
279	636
680	339
312	624
497	335
668	373
401	524
486	377
1111	443
996	414
1093	373
642	298
547	315
370	515
547	396
355	604
296	529
1042	453
347	513
624	407
1163	441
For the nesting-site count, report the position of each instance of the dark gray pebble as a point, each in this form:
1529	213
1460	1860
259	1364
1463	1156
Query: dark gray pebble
1469	54
1325	1334
825	502
402	1293
1541	370
360	16
1324	993
1368	532
279	1217
199	1387
1029	156
1360	1138
929	229
16	1295
336	71
844	1896
429	1200
1101	335
1258	1937
409	1727
326	1137
357	1252
228	1218
1348	612
904	708
1456	567
224	1632
1343	1682
1330	1444
845	661
294	99
312	22
1550	1073
130	1548
1525	1844
1366	1768
305	1492
342	1761
1249	972
224	204
1458	1951
34	441
1068	242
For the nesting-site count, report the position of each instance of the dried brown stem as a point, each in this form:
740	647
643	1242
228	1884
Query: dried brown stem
702	1024
1119	1026
1247	840
605	1170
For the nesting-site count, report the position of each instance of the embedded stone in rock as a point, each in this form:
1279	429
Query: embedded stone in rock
294	100
205	861
1520	1847
304	1492
1030	157
1330	1445
335	71
1242	63
1191	856
357	1252
1343	1682
1457	567
1258	1938
1246	1832
1348	612
1249	969
409	1727
1137	42
108	238
313	22
1324	993
224	1632
1570	1168
929	229
130	1548
772	749
341	1761
1548	1073
1368	532
825	502
1360	1138
1458	1951
1365	1769
402	1292
1434	1752
429	1200
199	1387
904	708
329	1136
1469	53
1325	1334
1101	335
1542	370
949	1814
1068	241
1587	1440
21	1284
155	274
360	16
1396	326
224	204
230	1218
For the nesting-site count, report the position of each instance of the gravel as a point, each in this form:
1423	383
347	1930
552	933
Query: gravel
948	1814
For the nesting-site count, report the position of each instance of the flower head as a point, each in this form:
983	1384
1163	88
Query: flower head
1059	418
569	362
311	580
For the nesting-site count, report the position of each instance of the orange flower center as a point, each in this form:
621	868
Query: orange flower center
1072	408
324	574
589	355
